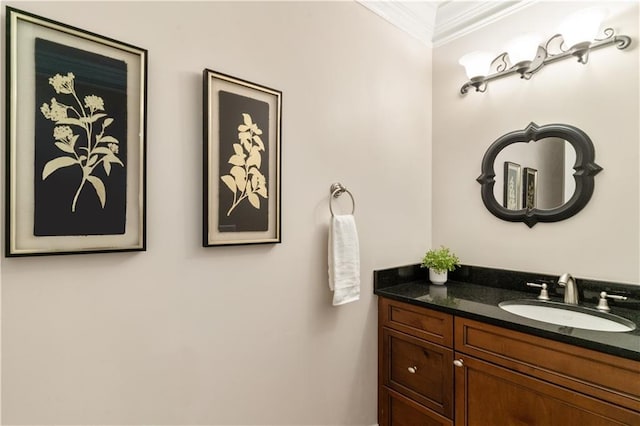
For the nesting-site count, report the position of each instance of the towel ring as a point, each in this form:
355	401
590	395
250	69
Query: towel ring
336	190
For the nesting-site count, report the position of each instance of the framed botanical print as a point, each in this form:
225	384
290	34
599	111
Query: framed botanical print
241	161
76	140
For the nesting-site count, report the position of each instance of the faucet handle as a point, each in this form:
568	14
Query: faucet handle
544	294
603	305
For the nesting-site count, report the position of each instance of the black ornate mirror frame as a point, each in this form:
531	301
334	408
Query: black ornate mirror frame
585	168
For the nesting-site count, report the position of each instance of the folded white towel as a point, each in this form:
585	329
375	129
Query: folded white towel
344	260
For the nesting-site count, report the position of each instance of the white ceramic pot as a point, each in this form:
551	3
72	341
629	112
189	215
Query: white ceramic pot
437	277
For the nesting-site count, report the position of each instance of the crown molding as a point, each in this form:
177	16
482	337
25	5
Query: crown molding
456	19
436	23
417	18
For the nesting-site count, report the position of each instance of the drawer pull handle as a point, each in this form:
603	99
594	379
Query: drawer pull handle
413	369
458	363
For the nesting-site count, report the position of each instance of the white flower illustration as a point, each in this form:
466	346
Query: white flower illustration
62	84
100	149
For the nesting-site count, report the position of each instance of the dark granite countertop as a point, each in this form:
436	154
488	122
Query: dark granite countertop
479	301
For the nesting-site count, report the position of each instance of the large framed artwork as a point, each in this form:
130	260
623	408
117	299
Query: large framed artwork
512	186
76	140
241	161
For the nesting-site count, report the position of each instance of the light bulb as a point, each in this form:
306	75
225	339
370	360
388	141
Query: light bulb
523	48
582	26
476	64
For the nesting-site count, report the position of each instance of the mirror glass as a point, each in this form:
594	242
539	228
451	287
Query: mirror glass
535	175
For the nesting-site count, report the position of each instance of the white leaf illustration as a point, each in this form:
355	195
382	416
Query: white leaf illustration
92	118
255	159
72	121
57	163
254	200
102	150
115	160
106	122
92	160
107	167
259	142
262	191
73	140
240	177
109	139
99	187
65	147
231	183
246	159
236	160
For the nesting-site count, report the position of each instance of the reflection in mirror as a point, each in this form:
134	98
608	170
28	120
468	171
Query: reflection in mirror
538	175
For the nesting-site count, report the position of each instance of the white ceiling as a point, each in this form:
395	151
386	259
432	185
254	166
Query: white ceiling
435	23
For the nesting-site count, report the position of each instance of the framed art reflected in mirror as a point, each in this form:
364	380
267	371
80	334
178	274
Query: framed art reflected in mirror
512	186
529	188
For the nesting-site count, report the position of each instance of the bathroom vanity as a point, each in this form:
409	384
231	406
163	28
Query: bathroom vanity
449	355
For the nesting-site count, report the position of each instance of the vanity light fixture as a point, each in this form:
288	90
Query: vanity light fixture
572	41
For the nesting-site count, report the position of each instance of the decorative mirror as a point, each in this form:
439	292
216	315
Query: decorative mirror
545	174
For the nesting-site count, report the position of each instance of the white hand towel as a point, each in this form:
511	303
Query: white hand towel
344	260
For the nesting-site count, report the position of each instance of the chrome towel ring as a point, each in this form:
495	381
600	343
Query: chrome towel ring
336	190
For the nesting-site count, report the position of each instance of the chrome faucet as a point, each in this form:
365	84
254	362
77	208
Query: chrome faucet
570	289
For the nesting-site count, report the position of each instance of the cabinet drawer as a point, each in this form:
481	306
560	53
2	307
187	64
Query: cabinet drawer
606	377
419	370
434	326
397	410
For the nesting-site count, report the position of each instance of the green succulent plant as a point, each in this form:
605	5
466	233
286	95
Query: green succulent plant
440	260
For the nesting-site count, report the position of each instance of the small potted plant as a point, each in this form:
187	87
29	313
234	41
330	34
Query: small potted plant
439	261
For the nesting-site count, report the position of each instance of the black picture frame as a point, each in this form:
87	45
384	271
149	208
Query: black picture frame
75	140
241	161
529	188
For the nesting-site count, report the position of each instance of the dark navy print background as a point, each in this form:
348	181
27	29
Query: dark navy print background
101	77
245	217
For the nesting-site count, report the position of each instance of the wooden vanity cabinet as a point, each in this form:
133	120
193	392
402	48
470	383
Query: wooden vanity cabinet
500	376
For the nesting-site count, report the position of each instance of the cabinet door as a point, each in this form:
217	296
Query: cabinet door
419	370
397	410
490	395
605	377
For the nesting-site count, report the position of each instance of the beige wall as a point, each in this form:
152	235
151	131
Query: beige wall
238	335
601	98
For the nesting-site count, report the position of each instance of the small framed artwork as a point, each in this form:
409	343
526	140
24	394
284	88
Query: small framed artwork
241	161
512	186
76	135
529	185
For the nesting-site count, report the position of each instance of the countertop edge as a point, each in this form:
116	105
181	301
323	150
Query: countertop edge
516	326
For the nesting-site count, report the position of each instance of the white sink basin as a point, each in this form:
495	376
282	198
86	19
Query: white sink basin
568	315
